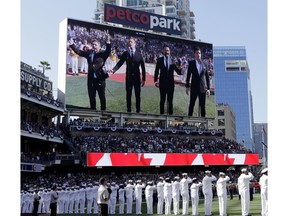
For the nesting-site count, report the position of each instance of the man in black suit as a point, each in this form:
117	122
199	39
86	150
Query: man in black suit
200	85
134	60
166	79
96	75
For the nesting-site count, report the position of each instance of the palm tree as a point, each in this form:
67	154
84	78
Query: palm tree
45	66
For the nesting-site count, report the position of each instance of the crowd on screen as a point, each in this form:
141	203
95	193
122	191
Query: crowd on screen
151	48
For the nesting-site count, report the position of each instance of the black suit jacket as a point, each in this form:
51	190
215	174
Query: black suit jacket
132	64
97	59
199	83
166	77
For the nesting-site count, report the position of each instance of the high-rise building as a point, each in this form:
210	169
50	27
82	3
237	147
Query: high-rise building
172	8
232	86
225	121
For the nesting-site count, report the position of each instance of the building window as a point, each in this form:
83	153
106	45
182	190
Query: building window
221	112
170	10
132	3
221	122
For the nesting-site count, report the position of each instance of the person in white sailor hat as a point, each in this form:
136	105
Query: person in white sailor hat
194	192
138	195
243	189
114	187
176	194
149	196
129	190
221	188
167	196
121	193
184	191
160	195
264	191
207	191
89	197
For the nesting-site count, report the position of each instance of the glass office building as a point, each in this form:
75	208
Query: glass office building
232	86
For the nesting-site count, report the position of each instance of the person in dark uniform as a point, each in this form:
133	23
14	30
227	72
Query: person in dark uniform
36	198
96	75
166	79
200	85
53	202
134	61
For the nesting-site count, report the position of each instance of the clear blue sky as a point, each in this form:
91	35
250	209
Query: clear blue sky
221	22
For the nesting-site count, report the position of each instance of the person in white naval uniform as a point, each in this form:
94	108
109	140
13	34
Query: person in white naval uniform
89	196
194	192
264	192
138	196
121	193
176	195
66	200
184	191
244	190
113	197
129	189
207	191
149	196
167	196
160	195
72	195
95	194
76	199
221	188
82	199
60	204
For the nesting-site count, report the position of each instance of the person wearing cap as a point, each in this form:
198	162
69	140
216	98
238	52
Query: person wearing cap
138	196
66	200
82	196
103	197
89	197
95	197
121	193
264	192
77	199
129	190
176	194
167	196
114	187
149	196
53	202
207	191
221	188
160	195
243	189
72	194
194	192
41	204
184	190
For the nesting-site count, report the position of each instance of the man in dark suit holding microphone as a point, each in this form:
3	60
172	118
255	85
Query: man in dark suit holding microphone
200	85
134	61
166	84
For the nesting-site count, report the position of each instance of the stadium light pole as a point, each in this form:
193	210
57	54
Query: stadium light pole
263	149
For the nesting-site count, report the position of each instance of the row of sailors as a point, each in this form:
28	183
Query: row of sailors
76	199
